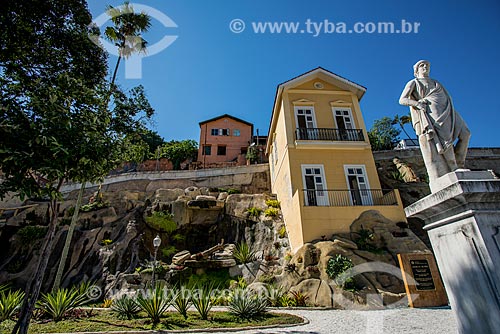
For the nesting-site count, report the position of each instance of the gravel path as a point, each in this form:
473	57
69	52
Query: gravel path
390	321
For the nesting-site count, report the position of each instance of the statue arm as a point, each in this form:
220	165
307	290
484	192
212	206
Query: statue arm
406	99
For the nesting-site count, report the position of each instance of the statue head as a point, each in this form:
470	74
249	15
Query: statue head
418	63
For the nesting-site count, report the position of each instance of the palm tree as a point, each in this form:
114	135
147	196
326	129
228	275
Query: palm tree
126	34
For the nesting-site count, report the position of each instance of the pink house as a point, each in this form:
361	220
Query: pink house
224	140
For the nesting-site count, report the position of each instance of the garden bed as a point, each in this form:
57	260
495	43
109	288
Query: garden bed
102	321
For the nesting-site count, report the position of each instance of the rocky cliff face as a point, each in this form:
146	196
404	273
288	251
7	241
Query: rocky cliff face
118	238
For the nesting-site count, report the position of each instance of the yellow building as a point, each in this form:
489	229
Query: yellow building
321	163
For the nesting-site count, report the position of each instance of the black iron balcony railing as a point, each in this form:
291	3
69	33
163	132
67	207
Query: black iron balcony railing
329	134
364	197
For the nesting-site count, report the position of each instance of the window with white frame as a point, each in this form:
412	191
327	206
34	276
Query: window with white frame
343	118
357	183
220	132
275	151
304	117
315	191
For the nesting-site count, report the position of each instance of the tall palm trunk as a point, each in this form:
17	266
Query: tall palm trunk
69	237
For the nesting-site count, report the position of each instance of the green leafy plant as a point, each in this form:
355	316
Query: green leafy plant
182	300
10	302
267	278
168	251
254	212
271	212
106	242
57	303
243	253
274	295
232	191
30	233
125	307
155	302
338	265
299	299
98	204
282	232
273	203
363	241
162	221
202	299
107	303
246	304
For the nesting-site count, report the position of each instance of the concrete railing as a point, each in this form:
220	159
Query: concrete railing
171	175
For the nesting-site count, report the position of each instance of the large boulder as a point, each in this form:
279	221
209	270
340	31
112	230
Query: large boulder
317	291
168	195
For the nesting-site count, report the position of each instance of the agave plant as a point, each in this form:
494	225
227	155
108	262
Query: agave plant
10	302
182	300
247	304
57	303
244	253
202	298
155	302
85	292
275	295
125	307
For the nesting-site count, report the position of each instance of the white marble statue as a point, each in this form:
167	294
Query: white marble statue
436	122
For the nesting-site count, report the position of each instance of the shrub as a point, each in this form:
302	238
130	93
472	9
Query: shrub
254	212
273	203
182	300
282	232
274	295
107	303
243	253
246	304
30	233
154	303
125	307
57	303
162	221
106	242
267	278
10	302
271	212
85	293
299	299
203	299
93	206
169	251
338	265
217	277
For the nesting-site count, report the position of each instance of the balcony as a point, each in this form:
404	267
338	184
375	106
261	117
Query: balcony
365	197
326	134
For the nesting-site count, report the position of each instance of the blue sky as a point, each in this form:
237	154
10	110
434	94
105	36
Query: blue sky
209	70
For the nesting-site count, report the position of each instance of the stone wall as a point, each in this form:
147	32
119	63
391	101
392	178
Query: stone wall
253	179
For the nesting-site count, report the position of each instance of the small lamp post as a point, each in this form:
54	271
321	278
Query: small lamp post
156	245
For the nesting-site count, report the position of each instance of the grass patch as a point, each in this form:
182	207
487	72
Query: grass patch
107	321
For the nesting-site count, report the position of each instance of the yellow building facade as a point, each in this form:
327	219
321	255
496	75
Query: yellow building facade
321	164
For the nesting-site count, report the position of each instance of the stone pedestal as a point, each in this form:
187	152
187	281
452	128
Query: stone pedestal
462	217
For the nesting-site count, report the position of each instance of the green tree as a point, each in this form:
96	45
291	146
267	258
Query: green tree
179	151
383	135
55	124
127	108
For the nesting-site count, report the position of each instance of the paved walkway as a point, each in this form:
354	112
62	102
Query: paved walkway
390	321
